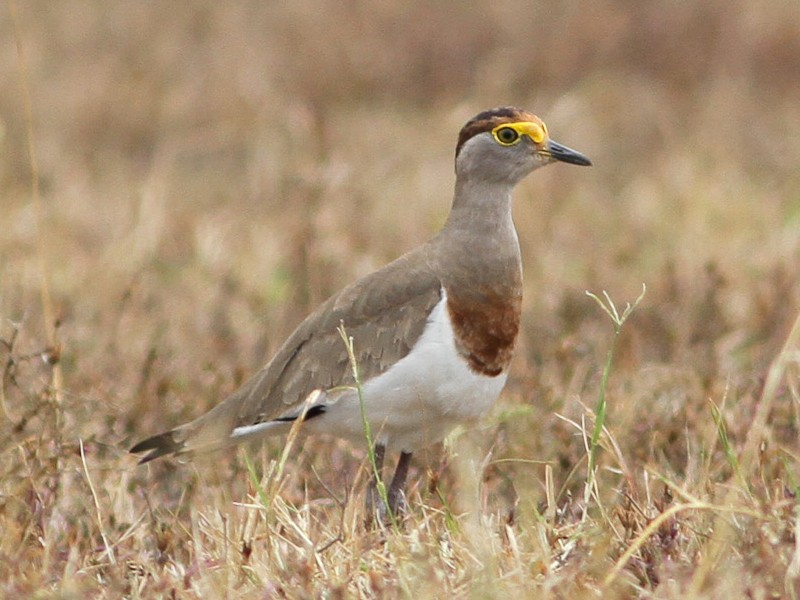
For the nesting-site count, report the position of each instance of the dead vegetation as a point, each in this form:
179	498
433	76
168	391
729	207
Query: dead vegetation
209	172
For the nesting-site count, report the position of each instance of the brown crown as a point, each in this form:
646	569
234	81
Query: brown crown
489	119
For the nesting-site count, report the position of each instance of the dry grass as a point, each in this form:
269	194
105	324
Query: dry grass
209	172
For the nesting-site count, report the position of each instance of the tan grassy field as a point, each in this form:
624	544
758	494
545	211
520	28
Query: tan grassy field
209	172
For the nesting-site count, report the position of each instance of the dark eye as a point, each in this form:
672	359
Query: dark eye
507	135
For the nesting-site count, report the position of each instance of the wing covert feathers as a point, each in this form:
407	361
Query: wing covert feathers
385	313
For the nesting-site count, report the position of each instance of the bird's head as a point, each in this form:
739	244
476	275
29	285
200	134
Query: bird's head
504	144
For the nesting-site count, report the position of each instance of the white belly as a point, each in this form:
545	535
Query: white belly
419	399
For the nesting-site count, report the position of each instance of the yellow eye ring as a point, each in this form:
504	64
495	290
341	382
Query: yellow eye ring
509	134
506	136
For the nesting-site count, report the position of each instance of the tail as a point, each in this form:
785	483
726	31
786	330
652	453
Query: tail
213	431
210	431
158	445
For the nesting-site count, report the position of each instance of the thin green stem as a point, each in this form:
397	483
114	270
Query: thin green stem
255	481
618	320
379	483
730	454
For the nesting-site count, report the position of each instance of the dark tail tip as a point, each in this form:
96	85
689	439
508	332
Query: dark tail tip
157	446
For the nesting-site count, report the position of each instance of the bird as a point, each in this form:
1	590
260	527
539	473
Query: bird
432	333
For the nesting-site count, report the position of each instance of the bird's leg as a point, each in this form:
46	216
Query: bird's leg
396	495
374	501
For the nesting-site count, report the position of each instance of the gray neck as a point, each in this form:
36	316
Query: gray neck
480	206
481	241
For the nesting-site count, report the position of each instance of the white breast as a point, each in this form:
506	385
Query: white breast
420	398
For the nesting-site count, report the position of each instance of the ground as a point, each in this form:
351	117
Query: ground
207	173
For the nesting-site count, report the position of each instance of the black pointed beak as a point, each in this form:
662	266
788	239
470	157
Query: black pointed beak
567	155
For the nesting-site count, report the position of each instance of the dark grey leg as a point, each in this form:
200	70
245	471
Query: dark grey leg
396	494
374	502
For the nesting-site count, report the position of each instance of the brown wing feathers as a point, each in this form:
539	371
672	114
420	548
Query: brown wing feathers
385	313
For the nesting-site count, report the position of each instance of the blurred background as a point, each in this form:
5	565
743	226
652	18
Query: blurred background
211	171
